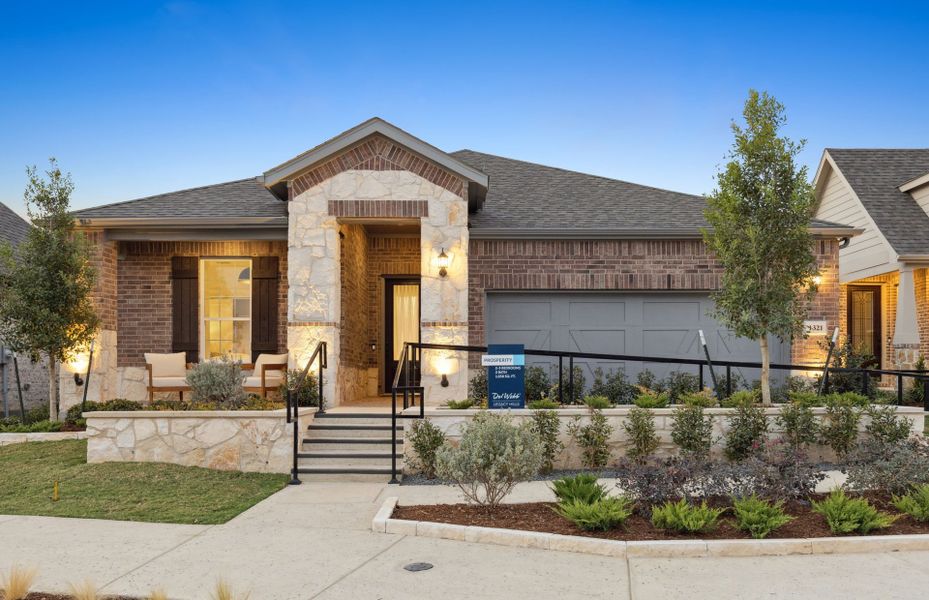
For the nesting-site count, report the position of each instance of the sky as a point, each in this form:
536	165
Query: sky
138	98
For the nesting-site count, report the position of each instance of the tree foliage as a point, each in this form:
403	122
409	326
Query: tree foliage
759	231
46	308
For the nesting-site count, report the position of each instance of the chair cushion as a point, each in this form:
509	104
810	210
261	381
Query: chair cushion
270	359
167	365
272	380
169	382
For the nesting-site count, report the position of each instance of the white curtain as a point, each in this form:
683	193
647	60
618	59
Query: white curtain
406	316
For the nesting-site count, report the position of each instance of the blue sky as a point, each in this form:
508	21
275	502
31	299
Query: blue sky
137	98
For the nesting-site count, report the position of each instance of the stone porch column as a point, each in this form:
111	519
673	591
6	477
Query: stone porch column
313	296
906	329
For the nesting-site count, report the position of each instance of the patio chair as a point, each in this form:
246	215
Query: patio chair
166	373
267	373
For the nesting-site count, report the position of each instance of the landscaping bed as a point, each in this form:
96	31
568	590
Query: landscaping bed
152	492
541	517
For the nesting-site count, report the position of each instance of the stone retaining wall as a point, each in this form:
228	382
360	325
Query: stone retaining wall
259	441
450	421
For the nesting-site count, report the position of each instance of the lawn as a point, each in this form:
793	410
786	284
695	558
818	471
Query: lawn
151	492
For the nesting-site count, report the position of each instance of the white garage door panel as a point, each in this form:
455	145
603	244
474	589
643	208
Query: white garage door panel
644	324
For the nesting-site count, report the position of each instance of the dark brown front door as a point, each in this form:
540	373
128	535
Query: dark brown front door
401	321
864	320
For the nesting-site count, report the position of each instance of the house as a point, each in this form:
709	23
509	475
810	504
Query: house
348	243
884	303
33	376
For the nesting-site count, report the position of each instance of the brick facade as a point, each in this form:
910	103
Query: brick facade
354	282
104	261
379	208
633	265
377	153
144	283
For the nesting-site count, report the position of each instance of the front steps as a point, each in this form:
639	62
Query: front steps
346	446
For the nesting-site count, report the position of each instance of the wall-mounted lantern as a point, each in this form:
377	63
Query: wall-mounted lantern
443	261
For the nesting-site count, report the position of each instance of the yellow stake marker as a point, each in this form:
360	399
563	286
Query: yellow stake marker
55	493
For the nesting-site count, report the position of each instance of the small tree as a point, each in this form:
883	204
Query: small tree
45	293
759	231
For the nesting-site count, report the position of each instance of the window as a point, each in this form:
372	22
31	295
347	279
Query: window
226	308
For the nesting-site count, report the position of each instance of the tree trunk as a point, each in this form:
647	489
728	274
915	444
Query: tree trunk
765	371
52	389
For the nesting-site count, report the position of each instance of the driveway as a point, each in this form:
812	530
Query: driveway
314	541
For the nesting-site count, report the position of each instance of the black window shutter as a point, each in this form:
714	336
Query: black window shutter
264	305
185	330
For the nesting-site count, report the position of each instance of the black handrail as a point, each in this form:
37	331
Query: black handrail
409	389
319	355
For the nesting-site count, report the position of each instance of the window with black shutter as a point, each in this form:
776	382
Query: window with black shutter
185	332
264	305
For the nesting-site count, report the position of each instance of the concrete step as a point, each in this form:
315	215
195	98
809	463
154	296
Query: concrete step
348	418
343	477
349	444
352	430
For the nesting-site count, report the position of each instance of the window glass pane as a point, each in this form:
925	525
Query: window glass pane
226	304
242	308
241	341
406	316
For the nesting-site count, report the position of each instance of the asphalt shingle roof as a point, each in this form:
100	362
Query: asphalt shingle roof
528	196
875	176
242	198
13	228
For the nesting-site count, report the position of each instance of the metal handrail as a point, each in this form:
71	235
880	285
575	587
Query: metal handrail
319	355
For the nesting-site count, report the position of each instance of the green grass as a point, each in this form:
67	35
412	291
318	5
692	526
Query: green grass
152	492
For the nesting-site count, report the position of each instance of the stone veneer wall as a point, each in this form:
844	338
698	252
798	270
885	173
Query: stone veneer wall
637	265
258	441
377	180
451	421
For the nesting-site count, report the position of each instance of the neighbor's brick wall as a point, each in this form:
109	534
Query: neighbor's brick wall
633	265
144	283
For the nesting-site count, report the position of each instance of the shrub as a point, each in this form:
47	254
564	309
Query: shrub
74	413
646	379
839	429
746	431
477	386
759	517
614	386
741	398
778	472
546	425
45	426
599	402
851	515
543	404
425	438
492	457
649	399
683	517
848	399
217	383
691	432
890	468
460	404
86	590
567	396
537	383
306	392
656	481
593	439
704	399
583	488
737	384
914	393
846	357
602	514
16	585
915	503
679	384
640	427
885	426
34	415
806	399
799	425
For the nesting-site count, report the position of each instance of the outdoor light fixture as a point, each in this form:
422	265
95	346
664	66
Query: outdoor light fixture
443	365
78	380
443	261
817	280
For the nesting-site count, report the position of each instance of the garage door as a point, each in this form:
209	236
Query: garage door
643	324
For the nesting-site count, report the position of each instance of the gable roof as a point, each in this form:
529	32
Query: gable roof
13	228
530	199
876	175
244	199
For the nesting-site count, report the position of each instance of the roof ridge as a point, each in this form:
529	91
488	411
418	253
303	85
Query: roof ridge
876	149
154	196
563	170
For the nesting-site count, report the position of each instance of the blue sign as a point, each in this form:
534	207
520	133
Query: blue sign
506	385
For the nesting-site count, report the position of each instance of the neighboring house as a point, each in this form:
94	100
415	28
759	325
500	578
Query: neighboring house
342	243
884	192
33	377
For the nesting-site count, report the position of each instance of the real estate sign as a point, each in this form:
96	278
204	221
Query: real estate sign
506	375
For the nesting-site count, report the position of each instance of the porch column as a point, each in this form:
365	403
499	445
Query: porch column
313	296
906	328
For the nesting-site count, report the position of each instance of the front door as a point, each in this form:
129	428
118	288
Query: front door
401	321
864	320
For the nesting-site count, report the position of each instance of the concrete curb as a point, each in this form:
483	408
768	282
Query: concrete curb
382	523
44	436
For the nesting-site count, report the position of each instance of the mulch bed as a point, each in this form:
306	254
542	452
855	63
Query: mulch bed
539	516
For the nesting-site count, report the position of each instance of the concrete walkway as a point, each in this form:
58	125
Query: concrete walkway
314	541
